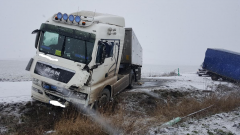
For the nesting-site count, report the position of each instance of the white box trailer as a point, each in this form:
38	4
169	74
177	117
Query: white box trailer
131	54
132	50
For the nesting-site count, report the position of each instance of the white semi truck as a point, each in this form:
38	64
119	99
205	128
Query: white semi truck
84	57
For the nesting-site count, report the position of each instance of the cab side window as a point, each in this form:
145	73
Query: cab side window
105	50
99	54
109	49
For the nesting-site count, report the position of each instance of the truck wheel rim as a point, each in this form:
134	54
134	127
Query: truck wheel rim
102	101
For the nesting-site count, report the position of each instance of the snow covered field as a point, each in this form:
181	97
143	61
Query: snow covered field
157	70
13	71
15	91
185	82
15	84
15	87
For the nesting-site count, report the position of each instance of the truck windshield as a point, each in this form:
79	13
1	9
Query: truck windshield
78	50
51	43
67	43
66	47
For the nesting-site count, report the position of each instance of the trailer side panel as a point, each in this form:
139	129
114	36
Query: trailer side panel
223	63
127	47
132	50
136	51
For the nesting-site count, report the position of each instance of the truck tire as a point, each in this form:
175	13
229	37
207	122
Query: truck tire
103	99
139	73
214	77
132	80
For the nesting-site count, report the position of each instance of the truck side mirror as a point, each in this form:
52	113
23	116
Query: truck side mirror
37	36
101	54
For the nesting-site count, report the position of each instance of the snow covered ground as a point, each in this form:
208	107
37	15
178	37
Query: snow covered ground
13	71
185	82
157	70
21	91
15	86
15	91
15	81
218	124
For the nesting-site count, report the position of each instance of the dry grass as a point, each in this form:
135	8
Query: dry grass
35	118
129	123
186	106
128	113
78	124
172	73
74	122
112	114
181	107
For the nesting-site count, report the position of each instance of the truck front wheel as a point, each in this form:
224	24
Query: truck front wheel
103	99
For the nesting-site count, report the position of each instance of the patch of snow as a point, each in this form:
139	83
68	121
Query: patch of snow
186	82
51	131
13	71
158	70
3	130
222	123
15	91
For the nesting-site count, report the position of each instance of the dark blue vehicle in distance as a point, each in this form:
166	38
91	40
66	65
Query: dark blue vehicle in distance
220	63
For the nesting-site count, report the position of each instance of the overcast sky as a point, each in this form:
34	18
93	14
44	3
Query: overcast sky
171	32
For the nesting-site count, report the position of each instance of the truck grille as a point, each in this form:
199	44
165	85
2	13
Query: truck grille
57	74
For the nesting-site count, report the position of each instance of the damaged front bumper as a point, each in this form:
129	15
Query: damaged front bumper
63	96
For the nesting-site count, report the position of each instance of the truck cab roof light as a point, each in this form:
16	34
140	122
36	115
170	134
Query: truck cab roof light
59	15
65	17
71	18
77	19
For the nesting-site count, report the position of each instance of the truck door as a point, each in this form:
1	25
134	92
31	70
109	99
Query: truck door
106	69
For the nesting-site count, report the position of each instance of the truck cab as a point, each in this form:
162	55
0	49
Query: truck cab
78	58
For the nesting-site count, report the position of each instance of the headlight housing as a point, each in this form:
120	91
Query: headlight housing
37	90
80	95
37	82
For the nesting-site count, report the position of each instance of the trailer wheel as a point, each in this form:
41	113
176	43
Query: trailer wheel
103	99
214	77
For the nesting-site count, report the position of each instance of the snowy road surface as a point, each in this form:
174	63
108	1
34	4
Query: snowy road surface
15	91
185	82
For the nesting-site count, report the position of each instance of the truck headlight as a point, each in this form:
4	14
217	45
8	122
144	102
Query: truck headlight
80	95
37	90
36	82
